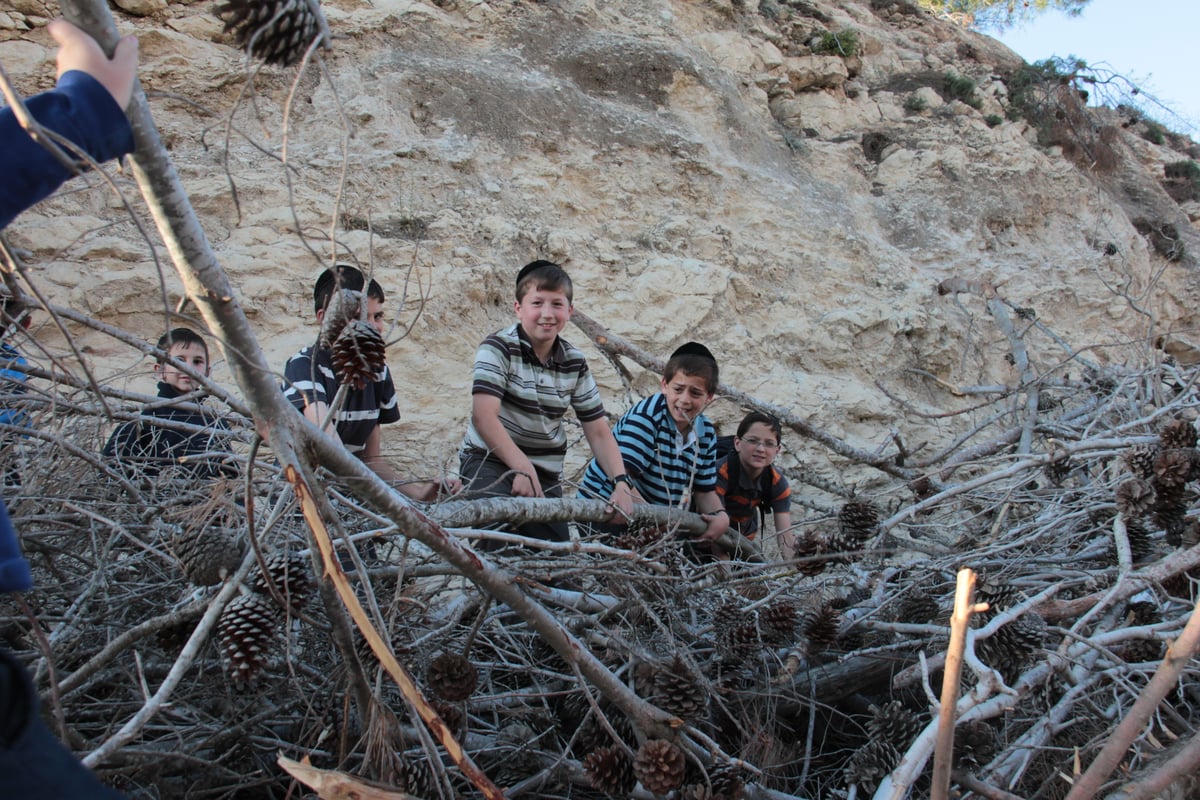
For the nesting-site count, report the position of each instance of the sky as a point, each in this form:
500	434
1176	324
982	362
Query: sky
1154	43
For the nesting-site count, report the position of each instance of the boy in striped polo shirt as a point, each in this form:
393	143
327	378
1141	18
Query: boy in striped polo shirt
526	377
668	445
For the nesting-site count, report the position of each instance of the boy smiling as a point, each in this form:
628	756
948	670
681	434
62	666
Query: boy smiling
170	433
526	377
668	445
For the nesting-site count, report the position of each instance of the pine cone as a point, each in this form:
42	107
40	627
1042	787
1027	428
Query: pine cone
245	632
452	677
1141	546
778	622
821	626
417	779
207	554
975	743
1137	651
871	763
639	538
1189	536
1179	433
1014	645
288	573
917	607
1172	468
808	554
359	354
593	736
610	770
922	488
727	616
659	766
1140	460
727	781
893	722
1170	510
678	691
858	521
277	31
450	714
1135	497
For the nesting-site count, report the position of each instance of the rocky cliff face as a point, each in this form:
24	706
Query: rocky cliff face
711	170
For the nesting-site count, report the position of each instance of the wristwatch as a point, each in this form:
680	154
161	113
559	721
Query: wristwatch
622	478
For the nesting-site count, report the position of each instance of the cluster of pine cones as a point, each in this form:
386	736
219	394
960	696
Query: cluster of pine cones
857	524
661	767
1158	493
247	628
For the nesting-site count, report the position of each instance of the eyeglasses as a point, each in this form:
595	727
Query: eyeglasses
754	442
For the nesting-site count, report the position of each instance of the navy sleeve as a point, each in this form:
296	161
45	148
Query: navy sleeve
79	109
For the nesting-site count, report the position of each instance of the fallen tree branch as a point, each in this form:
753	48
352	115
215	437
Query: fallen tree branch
615	345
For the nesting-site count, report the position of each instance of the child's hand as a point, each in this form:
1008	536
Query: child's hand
718	523
77	50
526	484
621	501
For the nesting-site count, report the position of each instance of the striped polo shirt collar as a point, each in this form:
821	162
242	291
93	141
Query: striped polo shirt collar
557	353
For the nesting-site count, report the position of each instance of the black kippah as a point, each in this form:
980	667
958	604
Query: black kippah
694	349
531	266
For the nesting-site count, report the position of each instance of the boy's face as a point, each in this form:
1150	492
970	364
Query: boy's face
191	354
758	447
374	314
543	313
687	395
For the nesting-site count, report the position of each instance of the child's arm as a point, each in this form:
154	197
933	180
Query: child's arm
787	538
608	455
87	108
712	511
485	415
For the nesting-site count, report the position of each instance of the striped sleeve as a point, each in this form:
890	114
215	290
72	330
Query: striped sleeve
302	384
389	409
491	374
781	494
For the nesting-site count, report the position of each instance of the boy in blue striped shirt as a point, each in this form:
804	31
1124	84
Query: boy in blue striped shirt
669	446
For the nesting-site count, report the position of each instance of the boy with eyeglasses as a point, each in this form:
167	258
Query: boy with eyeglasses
750	486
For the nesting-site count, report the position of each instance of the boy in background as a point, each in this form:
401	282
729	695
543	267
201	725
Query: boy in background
750	486
667	444
311	384
169	433
526	377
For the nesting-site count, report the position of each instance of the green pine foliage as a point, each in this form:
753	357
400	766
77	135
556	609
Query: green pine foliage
842	43
960	87
999	14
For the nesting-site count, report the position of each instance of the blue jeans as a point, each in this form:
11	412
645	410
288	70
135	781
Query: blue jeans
33	764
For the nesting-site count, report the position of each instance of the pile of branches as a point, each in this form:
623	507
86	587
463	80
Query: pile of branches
307	624
191	617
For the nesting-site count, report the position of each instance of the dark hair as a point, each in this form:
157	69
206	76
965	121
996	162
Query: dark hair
755	417
342	276
697	360
546	276
183	336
